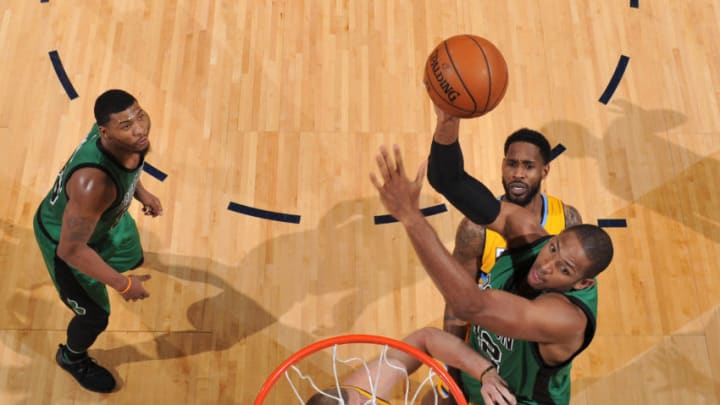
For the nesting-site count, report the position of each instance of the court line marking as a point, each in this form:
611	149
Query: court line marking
259	213
387	219
612	223
62	75
615	80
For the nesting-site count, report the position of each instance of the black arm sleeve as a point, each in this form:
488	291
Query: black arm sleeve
447	176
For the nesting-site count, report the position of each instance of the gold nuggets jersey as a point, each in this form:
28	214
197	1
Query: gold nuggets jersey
553	220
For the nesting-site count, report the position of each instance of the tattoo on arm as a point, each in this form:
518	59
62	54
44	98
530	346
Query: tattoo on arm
572	216
79	228
469	240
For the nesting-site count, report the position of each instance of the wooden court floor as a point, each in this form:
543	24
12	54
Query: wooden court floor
280	105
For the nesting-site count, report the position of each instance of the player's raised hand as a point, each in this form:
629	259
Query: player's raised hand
399	195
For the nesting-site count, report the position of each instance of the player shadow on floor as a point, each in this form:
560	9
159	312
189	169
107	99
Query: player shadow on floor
228	316
346	255
219	321
676	370
645	177
343	248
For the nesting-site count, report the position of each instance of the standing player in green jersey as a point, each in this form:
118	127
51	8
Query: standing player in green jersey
538	310
86	235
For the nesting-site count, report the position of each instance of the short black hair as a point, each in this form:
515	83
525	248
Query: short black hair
111	102
530	136
597	246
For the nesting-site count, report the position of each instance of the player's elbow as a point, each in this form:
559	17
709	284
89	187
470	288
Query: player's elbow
440	179
467	310
67	251
434	178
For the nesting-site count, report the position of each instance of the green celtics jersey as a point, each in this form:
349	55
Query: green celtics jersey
519	362
115	236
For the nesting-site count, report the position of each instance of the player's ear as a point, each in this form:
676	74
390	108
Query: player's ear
584	283
545	170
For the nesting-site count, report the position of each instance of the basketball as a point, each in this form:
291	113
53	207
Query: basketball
466	76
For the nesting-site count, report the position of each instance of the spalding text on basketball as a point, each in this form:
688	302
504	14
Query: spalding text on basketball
451	93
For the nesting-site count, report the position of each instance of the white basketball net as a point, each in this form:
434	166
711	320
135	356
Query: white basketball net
430	381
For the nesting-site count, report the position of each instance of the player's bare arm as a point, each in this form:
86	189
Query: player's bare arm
572	216
469	244
516	224
90	192
551	319
151	204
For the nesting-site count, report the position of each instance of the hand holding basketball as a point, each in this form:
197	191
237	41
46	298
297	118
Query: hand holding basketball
466	76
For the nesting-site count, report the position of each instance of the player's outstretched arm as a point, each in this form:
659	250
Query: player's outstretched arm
469	244
446	173
441	345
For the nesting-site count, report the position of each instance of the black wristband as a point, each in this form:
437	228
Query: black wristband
487	370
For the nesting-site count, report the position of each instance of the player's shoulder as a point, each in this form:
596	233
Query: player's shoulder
469	238
557	301
470	230
91	182
571	214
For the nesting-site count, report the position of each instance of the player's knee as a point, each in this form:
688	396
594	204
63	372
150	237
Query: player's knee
97	321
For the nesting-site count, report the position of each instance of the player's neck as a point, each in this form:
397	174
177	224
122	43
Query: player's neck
127	159
536	206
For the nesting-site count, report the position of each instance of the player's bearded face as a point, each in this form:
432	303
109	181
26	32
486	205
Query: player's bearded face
524	199
523	170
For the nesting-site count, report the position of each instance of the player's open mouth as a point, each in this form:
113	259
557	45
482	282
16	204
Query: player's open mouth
535	277
517	188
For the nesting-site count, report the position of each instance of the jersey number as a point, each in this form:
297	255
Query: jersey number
490	348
